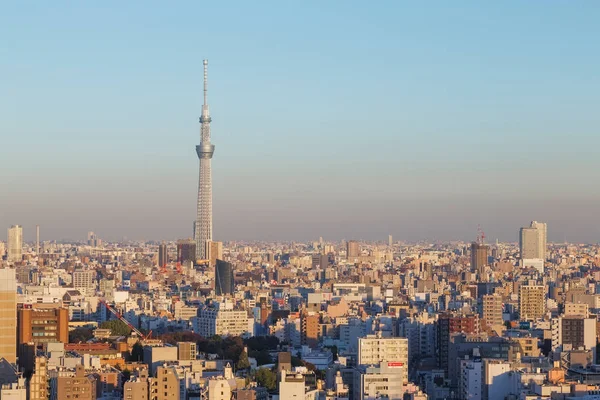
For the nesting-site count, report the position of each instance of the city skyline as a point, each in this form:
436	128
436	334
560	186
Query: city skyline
468	123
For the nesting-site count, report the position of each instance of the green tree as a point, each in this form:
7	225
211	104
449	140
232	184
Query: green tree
266	378
243	362
79	335
117	327
137	352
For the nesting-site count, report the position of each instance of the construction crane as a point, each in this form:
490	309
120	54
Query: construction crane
120	317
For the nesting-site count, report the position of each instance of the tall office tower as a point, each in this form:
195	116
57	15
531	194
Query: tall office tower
492	311
224	283
186	250
214	252
479	257
352	249
203	232
532	241
390	241
15	243
37	239
8	314
532	302
163	258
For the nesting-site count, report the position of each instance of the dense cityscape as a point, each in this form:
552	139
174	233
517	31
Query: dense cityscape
342	102
351	320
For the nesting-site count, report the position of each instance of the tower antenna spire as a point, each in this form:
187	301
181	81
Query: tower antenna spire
205	62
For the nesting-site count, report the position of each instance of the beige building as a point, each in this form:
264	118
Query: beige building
186	351
532	302
78	386
166	384
38	384
576	309
214	251
352	250
8	315
15	243
492	311
532	241
374	350
222	320
137	387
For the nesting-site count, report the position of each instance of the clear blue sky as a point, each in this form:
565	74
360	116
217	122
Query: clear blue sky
341	119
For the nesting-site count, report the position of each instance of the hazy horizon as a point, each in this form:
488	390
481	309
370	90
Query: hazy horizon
340	119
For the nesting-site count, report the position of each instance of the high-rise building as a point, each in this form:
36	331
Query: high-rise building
352	249
224	283
214	252
42	323
186	251
378	350
390	241
37	239
309	329
83	280
38	384
8	314
15	243
576	331
492	311
532	302
163	256
205	150
77	386
532	241
449	324
479	257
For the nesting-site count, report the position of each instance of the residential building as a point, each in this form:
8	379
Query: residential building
8	315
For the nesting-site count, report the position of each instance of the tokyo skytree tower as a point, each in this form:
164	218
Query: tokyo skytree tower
203	227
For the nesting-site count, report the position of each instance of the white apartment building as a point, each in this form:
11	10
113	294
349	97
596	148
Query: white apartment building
374	350
222	320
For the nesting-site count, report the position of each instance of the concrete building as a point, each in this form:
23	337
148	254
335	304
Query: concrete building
379	382
215	252
352	250
576	332
8	315
137	387
532	241
163	255
224	283
166	384
471	382
492	312
292	386
390	351
532	302
15	243
222	320
83	280
479	257
449	324
186	251
77	386
38	383
156	356
42	323
309	329
186	350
